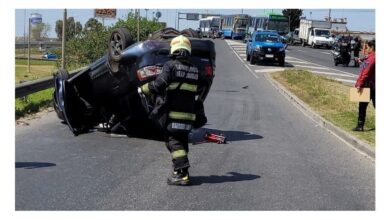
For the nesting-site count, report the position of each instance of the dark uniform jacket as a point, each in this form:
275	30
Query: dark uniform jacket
177	87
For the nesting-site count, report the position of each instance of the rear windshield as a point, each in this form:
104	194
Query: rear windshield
267	38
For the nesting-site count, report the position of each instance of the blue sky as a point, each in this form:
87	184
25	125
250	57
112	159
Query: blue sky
358	19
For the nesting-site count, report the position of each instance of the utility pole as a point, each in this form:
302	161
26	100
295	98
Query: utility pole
329	15
63	40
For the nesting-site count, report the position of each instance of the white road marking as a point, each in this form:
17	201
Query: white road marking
295	61
344	80
311	67
269	70
333	74
302	51
326	53
347	73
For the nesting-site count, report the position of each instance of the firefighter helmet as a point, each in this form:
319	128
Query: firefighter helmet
180	42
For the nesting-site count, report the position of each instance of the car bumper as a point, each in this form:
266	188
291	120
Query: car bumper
269	56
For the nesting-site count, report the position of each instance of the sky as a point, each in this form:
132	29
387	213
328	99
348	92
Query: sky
358	19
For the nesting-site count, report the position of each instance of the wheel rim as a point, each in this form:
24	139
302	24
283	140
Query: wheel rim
116	44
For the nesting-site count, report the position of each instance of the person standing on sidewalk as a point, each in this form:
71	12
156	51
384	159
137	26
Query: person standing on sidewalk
366	79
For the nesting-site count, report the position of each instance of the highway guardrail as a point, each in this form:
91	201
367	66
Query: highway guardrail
34	86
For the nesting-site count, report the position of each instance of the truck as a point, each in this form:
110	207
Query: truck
315	33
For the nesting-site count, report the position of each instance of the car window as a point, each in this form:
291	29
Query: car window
267	38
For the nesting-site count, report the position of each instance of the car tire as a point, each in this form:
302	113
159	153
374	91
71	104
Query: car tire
191	33
303	43
119	40
313	45
61	75
281	62
252	59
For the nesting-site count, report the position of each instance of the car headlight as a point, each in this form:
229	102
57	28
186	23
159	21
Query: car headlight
258	48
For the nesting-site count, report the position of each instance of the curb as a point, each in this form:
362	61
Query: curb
351	140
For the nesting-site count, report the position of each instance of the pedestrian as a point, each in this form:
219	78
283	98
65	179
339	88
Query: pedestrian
366	79
356	51
178	81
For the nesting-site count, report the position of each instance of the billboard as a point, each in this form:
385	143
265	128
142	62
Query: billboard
105	13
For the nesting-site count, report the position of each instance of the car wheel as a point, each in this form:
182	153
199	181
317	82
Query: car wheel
191	33
120	39
252	59
313	45
303	43
59	79
281	62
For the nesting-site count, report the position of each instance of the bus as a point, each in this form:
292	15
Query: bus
206	25
276	22
234	26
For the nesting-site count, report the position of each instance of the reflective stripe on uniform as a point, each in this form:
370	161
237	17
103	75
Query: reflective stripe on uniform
182	116
178	153
184	86
145	88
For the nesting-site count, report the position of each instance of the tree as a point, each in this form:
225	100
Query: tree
294	15
39	31
92	24
73	28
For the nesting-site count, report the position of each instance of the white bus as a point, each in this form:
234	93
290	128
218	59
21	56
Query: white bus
209	23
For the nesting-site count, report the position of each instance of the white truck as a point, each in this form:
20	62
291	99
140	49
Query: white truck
315	33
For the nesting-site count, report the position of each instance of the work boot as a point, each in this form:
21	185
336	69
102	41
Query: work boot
179	178
358	128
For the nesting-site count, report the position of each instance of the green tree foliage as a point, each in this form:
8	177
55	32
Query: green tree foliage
146	27
92	43
294	15
73	29
92	24
39	31
89	46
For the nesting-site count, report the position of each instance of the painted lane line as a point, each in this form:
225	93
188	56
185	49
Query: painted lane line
311	67
295	61
345	80
332	74
269	70
326	53
347	73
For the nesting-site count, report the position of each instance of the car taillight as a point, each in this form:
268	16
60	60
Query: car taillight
148	71
208	70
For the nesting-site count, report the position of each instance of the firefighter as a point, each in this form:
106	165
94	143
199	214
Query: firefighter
179	79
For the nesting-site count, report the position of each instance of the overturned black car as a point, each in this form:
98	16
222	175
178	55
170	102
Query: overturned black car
105	93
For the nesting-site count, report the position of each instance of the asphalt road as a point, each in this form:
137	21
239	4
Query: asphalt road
276	159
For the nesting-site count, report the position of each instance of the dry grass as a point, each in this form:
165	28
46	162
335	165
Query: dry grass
328	98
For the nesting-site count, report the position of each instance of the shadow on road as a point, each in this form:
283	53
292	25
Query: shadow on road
33	165
232	177
197	135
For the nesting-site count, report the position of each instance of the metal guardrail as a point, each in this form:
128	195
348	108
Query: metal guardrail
34	86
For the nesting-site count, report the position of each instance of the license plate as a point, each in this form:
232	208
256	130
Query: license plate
269	56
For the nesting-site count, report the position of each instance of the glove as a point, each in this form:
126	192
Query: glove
144	89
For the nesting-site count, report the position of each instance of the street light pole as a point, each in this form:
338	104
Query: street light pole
63	40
